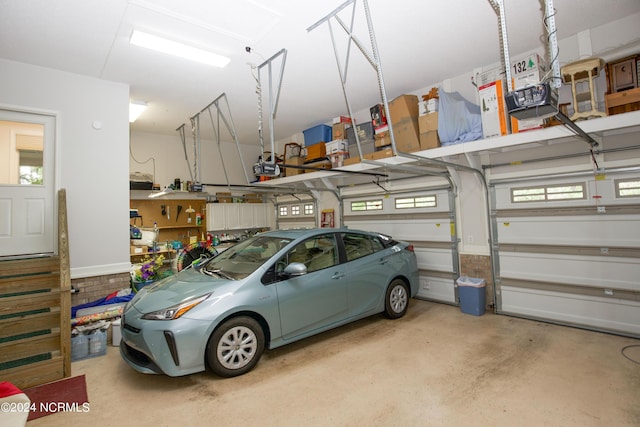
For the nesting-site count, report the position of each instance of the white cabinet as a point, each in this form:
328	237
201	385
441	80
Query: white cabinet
237	216
216	216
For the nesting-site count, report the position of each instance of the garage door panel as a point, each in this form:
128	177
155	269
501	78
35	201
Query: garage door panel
602	313
436	288
619	230
601	272
409	230
575	260
429	229
434	259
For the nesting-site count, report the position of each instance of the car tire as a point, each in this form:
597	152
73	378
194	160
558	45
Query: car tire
396	300
235	347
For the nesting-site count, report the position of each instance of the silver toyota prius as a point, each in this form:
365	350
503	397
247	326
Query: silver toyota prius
267	291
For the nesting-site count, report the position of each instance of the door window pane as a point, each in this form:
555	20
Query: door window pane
22	145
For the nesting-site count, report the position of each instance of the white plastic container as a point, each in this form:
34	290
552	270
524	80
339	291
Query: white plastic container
116	335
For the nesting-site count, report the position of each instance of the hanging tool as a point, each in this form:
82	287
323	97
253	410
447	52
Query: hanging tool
168	212
189	210
163	210
179	210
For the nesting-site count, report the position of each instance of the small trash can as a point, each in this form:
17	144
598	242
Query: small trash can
471	293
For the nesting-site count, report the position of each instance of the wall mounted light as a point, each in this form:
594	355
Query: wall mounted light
159	44
135	109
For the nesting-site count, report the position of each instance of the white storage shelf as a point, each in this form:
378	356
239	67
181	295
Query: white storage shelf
619	123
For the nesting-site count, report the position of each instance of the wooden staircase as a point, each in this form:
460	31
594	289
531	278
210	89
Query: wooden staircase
35	314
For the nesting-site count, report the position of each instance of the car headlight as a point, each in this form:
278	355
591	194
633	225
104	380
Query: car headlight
175	311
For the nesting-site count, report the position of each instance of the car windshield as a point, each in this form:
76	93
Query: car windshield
242	259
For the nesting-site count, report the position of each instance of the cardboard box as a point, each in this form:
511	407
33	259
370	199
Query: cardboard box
428	122
339	130
491	90
380	154
429	139
351	161
406	135
403	107
316	151
526	71
322	164
337	146
224	197
135	250
382	140
341	119
252	198
296	161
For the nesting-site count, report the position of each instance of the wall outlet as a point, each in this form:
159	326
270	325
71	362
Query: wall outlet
425	285
608	292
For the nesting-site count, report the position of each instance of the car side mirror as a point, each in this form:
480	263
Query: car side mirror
295	269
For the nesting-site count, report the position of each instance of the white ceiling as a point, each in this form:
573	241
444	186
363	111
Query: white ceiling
420	43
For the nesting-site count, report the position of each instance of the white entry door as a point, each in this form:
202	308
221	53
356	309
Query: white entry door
28	223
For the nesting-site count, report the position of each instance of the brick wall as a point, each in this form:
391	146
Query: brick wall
93	288
479	266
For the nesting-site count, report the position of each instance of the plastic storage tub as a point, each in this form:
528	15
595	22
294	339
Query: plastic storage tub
320	133
471	293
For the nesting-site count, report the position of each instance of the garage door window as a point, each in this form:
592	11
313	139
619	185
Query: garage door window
549	193
366	205
627	188
416	202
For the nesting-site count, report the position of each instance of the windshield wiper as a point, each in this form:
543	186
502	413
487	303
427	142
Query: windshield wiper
218	273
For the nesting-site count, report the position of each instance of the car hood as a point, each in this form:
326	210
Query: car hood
178	288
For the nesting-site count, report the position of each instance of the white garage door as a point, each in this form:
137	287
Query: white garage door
569	250
296	213
425	219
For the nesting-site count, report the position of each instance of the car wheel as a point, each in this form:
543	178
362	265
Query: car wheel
235	347
396	300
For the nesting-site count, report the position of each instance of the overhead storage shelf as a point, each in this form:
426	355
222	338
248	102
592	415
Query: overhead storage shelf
615	124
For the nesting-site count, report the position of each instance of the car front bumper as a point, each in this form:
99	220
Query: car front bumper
171	347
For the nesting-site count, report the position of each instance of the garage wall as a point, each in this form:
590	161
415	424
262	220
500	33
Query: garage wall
92	144
170	163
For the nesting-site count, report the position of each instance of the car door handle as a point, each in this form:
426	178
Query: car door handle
384	261
337	276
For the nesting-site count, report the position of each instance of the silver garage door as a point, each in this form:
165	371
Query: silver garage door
424	218
568	250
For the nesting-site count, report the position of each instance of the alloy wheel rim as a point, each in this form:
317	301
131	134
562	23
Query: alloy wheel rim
237	347
398	298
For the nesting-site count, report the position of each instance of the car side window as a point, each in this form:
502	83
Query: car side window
316	253
377	244
356	245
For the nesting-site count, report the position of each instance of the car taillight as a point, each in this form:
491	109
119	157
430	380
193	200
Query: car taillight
409	248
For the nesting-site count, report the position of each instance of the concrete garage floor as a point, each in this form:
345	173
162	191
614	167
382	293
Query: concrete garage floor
434	367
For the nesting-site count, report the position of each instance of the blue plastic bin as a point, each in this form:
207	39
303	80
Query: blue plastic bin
316	134
471	294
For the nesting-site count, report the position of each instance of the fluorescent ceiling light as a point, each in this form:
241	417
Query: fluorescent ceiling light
171	47
135	109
